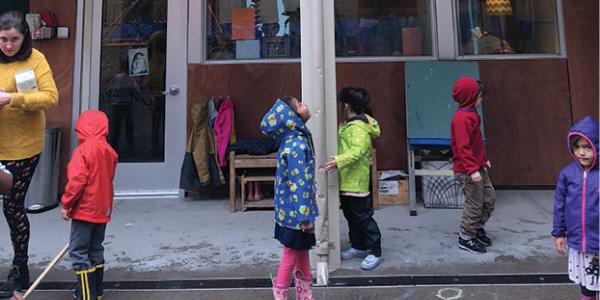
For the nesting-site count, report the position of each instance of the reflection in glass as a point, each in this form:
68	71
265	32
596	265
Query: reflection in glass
259	29
383	28
132	77
252	29
508	27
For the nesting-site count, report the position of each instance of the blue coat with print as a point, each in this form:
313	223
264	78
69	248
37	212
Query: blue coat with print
295	177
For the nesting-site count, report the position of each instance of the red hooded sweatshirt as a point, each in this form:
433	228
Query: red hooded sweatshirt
88	194
466	138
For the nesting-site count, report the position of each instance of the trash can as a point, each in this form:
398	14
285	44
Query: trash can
43	190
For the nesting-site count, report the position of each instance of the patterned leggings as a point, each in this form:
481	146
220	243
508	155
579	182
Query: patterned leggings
14	205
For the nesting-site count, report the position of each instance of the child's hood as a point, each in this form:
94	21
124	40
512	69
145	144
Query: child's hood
588	129
281	122
367	123
465	92
92	124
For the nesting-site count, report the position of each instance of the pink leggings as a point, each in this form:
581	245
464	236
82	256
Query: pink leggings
291	259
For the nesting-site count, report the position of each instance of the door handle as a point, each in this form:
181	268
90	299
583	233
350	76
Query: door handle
172	90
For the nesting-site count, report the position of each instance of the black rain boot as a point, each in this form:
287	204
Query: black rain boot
99	282
17	280
86	285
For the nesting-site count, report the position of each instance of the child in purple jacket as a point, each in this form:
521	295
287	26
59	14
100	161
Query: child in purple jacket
576	208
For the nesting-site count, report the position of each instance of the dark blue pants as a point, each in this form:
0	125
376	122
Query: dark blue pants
363	230
85	246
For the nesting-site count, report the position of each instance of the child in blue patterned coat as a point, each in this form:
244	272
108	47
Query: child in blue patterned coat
295	205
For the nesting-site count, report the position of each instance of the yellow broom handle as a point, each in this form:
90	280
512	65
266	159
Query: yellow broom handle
48	268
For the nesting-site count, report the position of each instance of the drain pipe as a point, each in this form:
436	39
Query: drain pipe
318	91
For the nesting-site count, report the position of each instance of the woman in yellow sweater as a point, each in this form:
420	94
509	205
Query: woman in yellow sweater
26	90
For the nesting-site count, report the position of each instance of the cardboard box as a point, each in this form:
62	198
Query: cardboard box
393	192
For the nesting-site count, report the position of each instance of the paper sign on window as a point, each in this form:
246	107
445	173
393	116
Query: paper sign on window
242	26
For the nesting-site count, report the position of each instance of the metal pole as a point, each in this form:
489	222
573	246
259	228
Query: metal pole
331	123
313	94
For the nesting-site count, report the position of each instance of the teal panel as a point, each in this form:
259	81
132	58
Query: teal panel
429	103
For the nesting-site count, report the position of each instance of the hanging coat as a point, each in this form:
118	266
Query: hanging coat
200	153
223	128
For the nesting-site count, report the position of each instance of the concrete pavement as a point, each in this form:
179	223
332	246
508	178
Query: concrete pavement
154	239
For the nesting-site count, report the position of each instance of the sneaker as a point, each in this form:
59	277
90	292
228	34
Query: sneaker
370	262
483	238
354	253
472	244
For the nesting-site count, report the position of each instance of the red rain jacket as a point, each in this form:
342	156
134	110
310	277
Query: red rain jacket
468	153
88	194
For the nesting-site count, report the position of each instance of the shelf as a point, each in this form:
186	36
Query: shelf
264	203
257	178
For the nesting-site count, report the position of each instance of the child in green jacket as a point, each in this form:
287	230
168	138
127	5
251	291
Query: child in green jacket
353	164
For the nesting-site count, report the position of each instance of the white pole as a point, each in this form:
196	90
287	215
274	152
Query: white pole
313	94
331	124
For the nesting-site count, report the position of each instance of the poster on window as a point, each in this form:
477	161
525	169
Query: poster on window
138	61
243	24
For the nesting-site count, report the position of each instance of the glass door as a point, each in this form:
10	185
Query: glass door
140	75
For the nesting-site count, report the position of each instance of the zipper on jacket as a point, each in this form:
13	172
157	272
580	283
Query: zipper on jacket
583	199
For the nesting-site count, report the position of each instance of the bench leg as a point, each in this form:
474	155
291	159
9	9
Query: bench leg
231	182
243	193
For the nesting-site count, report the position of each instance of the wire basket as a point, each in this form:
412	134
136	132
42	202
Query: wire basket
441	191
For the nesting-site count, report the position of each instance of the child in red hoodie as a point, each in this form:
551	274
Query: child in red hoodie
470	166
87	201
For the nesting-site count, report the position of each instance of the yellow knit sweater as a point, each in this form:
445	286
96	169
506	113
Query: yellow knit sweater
22	121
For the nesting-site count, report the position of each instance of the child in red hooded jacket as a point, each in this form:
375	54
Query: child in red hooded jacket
87	201
470	166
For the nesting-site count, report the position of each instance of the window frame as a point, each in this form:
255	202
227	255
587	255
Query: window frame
444	40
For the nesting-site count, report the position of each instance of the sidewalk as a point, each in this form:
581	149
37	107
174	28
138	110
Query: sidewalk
194	239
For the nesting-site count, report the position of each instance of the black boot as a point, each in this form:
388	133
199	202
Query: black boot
86	285
17	280
99	282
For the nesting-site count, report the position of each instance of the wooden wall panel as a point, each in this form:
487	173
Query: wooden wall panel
60	54
581	28
526	117
385	83
254	87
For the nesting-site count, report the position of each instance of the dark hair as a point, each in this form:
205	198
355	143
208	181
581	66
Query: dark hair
357	98
16	20
481	87
575	139
288	100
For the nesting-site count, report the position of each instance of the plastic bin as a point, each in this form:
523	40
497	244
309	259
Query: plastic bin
441	191
43	190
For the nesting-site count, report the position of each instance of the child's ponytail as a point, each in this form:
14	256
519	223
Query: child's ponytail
358	99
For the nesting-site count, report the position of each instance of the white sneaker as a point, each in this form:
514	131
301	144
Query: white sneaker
353	253
370	262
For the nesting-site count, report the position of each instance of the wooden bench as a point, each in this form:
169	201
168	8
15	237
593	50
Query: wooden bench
244	161
264	203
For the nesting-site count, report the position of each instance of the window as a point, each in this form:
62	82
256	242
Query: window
259	29
253	29
270	29
22	6
383	28
496	27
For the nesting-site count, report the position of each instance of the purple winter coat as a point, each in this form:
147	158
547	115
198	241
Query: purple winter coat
576	196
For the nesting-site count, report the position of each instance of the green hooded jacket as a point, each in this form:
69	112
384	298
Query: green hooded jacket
353	159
